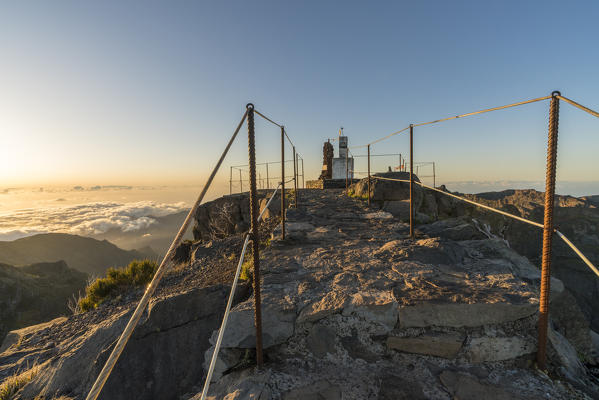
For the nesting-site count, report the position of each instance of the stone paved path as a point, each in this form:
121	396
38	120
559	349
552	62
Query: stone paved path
354	309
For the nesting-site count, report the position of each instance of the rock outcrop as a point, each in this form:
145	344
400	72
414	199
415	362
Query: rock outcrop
230	215
577	218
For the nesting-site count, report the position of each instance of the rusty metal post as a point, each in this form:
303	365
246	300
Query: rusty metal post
295	175
255	233
240	182
411	181
548	229
283	182
303	175
231	181
267	178
434	176
346	173
369	174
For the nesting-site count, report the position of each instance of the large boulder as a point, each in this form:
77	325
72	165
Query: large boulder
278	318
229	215
382	190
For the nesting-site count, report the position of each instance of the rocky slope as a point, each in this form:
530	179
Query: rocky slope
36	293
577	218
353	309
81	253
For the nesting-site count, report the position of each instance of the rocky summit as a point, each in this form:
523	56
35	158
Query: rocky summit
352	309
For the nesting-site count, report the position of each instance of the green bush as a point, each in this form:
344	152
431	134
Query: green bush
247	268
117	280
352	193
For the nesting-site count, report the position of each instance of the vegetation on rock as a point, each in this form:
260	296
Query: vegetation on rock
247	268
117	280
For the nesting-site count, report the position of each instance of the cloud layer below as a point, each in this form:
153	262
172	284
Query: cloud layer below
84	219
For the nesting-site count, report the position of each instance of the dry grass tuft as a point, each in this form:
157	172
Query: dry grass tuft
11	385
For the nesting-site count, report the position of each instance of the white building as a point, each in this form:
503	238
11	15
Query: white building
343	166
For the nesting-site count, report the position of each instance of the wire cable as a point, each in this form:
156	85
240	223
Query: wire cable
223	325
467	115
485	111
538	225
465	200
575	104
584	259
164	265
266	118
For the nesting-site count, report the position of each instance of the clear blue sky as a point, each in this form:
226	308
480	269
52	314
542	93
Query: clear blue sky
128	92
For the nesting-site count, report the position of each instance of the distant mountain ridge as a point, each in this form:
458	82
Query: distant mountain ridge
84	254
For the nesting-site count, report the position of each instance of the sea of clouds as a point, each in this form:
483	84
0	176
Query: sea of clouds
84	219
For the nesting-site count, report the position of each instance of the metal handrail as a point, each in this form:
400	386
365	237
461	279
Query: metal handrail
223	325
466	115
164	265
538	225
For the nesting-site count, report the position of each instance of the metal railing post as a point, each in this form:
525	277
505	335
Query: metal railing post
255	232
548	229
267	179
240	182
368	174
346	173
411	181
283	182
434	176
303	175
295	175
231	181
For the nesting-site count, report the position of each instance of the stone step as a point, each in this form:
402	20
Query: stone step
450	345
458	315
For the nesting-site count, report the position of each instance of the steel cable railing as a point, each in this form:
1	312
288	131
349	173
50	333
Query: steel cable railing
538	225
456	117
164	265
547	225
266	118
279	125
575	104
223	325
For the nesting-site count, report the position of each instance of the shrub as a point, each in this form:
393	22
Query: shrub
352	193
247	268
117	280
